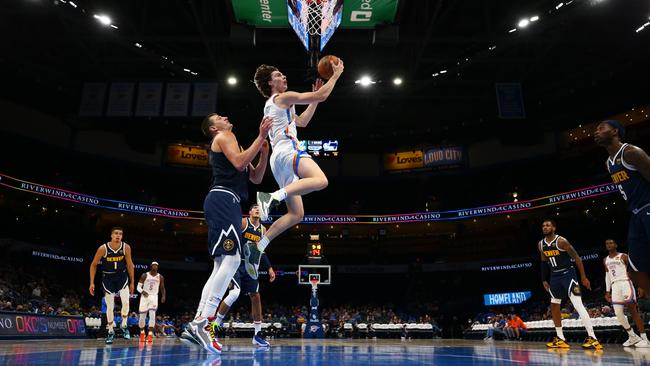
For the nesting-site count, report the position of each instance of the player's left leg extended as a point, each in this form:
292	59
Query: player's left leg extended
591	341
125	297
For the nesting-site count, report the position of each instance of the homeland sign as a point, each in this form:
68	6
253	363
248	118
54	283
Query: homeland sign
506	298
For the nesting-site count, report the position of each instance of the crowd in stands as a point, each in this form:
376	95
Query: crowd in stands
33	292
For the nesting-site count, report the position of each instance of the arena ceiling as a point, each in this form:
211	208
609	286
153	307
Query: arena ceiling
580	61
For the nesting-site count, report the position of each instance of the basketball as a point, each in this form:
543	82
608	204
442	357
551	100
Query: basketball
325	67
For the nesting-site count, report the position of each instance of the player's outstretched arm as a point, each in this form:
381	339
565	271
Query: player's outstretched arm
101	251
290	98
302	120
566	246
227	143
256	173
640	160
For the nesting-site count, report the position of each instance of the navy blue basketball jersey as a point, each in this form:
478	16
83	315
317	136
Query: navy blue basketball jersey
224	174
114	260
251	232
558	259
252	255
634	188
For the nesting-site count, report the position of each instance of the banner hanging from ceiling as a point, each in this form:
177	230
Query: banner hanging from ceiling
462	214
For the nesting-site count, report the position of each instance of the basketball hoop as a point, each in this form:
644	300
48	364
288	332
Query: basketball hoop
314	279
319	14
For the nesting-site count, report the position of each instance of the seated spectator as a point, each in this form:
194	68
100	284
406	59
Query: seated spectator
516	327
496	328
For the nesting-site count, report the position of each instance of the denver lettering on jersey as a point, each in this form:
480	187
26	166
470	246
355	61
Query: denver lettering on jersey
252	237
551	253
114	259
620	176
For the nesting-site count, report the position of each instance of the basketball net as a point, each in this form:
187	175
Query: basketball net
314	284
319	14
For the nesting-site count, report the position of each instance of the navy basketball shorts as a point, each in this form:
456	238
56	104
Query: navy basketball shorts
223	215
245	282
638	241
114	282
563	284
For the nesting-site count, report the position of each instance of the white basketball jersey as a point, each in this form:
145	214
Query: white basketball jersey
283	132
617	268
151	284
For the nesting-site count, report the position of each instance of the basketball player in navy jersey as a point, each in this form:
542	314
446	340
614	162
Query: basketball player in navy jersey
231	170
556	254
116	262
246	279
629	167
293	170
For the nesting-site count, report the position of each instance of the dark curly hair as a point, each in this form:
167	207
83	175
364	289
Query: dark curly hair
262	78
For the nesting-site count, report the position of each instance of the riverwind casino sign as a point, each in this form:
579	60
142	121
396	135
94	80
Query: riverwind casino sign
8	182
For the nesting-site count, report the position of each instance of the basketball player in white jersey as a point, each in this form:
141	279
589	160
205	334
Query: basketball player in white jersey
116	264
620	292
148	287
294	171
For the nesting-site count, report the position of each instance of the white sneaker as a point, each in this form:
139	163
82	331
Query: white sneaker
634	339
202	331
642	344
265	202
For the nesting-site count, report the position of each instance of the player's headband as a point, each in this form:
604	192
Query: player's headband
617	125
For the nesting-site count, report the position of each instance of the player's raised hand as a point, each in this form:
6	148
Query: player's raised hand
337	68
265	126
91	289
317	85
586	283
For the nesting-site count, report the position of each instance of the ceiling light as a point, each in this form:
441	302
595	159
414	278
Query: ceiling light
365	81
104	19
523	23
232	80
